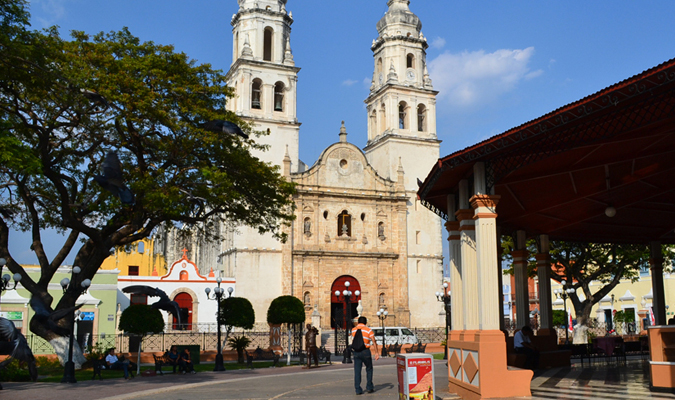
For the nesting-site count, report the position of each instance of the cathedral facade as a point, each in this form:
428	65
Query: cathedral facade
357	216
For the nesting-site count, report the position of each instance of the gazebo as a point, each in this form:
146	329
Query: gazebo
600	169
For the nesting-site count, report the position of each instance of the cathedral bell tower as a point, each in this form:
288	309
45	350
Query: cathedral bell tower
264	76
402	138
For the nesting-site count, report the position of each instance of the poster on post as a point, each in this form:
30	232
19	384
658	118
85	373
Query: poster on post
415	376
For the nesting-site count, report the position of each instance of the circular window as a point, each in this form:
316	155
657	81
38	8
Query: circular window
343	164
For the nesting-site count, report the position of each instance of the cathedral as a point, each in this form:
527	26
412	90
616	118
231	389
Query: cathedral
358	219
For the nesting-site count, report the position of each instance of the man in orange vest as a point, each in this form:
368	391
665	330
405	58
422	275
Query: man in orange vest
364	356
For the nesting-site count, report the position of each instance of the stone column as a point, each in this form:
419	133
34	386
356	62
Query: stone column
520	256
454	241
656	266
468	259
486	259
544	273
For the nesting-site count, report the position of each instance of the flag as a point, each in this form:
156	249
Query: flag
652	322
569	322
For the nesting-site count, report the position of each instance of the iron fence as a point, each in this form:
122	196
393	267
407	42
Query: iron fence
430	335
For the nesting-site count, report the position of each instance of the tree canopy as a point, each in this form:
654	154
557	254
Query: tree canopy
286	310
141	319
65	104
579	264
236	312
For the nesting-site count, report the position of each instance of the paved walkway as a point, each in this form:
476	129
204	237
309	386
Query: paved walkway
335	382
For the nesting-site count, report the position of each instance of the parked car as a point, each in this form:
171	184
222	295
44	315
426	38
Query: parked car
395	335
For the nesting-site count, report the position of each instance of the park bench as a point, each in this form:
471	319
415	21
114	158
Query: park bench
260	354
416	348
393	348
100	365
163	361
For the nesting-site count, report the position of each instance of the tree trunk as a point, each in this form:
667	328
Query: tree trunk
60	345
288	352
138	363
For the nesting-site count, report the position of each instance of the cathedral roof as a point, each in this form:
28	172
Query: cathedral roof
397	17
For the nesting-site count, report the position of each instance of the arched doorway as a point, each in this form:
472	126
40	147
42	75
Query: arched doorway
184	301
338	308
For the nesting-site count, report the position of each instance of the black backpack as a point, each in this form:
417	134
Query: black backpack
358	344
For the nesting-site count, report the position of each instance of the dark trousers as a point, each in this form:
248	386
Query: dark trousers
361	358
312	352
123	365
532	357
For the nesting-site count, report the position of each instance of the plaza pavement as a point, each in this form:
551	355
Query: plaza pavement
630	382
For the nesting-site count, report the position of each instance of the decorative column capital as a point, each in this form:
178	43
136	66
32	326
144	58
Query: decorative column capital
520	255
542	258
452	226
464	214
484	205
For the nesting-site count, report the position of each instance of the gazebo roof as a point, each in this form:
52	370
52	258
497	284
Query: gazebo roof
557	174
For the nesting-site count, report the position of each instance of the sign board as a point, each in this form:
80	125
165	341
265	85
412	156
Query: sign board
12	315
415	376
87	316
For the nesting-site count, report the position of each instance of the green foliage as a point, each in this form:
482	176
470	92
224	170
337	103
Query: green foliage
237	312
579	264
64	104
624	317
141	319
239	343
15	372
286	310
48	362
96	352
559	317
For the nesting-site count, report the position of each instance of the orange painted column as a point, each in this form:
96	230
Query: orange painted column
477	358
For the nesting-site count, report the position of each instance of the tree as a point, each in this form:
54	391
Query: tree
286	310
239	343
579	264
141	320
236	312
64	105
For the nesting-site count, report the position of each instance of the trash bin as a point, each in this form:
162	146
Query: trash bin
194	352
415	376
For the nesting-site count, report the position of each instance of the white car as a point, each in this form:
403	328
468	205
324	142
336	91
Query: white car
395	335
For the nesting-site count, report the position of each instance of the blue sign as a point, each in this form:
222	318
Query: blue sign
87	316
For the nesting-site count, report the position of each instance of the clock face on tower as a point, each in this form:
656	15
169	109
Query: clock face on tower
410	75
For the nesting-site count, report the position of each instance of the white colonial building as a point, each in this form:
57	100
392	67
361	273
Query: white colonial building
358	217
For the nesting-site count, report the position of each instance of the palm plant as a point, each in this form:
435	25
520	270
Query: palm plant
239	343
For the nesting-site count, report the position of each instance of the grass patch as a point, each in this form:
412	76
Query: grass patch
438	356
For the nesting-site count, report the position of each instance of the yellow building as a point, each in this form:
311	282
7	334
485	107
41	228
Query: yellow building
635	297
137	259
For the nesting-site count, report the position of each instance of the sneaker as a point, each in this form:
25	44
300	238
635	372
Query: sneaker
194	372
371	391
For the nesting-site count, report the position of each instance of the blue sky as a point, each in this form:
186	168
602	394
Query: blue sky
497	64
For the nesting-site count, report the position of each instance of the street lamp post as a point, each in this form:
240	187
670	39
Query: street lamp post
218	294
445	298
4	282
382	315
347	298
564	293
77	291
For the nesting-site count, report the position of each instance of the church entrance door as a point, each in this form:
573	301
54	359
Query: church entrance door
184	301
338	309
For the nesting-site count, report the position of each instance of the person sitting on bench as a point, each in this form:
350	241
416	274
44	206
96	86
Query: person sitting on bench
118	363
523	345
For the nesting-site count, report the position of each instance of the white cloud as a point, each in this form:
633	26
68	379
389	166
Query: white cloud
51	11
438	43
367	82
348	82
473	78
